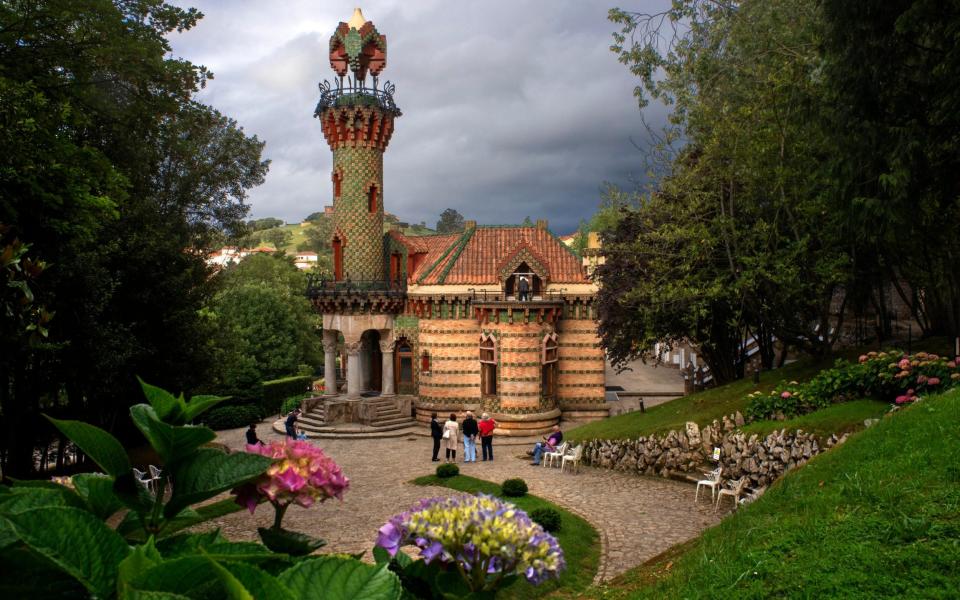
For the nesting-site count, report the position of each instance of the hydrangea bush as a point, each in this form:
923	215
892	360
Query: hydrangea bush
891	375
484	540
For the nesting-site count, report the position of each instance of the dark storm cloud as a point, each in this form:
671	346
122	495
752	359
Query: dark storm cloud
510	109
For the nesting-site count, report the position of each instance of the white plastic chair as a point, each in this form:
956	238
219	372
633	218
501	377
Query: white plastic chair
549	457
144	479
572	457
734	490
712	481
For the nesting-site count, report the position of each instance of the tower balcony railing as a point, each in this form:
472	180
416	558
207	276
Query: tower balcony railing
356	93
323	287
504	298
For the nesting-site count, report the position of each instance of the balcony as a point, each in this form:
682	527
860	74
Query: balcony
356	296
356	93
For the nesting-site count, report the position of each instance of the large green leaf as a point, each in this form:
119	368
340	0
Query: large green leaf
97	491
233	587
103	448
75	541
20	499
293	543
199	404
131	594
139	560
179	576
210	472
338	578
168	408
172	442
25	573
188	543
258	582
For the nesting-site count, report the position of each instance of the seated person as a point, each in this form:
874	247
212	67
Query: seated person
549	445
252	438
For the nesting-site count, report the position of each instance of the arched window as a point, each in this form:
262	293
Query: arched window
523	284
372	198
548	372
337	180
425	362
337	259
488	365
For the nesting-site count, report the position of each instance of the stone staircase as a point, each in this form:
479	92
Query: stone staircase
385	420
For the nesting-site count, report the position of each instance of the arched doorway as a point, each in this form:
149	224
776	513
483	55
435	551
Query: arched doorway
372	361
403	370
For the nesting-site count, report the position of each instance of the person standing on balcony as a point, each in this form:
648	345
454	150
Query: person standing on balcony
470	432
524	287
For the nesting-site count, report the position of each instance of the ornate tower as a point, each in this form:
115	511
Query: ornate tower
357	121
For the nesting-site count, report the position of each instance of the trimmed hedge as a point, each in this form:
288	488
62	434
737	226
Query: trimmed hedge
548	518
278	390
231	417
447	470
290	403
514	487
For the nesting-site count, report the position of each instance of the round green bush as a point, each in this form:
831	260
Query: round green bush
548	518
447	470
514	487
290	403
231	417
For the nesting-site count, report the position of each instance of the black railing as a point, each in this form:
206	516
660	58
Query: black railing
551	296
319	286
356	93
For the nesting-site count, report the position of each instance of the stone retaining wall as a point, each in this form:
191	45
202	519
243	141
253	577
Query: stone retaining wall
761	459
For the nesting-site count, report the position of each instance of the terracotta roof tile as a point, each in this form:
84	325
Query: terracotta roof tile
487	248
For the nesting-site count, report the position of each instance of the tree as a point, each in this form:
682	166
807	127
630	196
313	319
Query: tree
112	171
527	222
314	216
450	221
266	223
280	238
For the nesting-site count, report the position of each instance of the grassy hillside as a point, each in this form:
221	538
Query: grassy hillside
877	517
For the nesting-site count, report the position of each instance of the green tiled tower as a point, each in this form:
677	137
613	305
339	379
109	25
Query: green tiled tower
357	122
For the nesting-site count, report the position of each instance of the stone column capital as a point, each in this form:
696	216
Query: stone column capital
387	346
330	347
353	348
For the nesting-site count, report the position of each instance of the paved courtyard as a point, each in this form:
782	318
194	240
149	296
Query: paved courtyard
637	517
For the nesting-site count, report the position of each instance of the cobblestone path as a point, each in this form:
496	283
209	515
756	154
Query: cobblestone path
637	517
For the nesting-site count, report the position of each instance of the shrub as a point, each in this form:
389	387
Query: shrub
290	403
891	376
514	487
548	518
447	470
231	417
278	390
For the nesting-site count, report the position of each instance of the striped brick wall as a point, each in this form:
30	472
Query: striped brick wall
519	365
581	364
454	376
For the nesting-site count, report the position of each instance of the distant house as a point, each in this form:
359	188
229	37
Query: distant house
231	255
305	260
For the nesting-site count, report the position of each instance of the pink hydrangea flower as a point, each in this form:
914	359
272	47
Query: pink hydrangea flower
933	381
904	364
863	358
785	395
301	474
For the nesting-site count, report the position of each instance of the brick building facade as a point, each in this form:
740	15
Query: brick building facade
445	318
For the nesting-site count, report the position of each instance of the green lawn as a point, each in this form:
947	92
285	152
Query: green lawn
579	540
845	417
701	407
876	517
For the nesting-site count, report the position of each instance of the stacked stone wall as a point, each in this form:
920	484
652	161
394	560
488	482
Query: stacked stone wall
453	382
762	459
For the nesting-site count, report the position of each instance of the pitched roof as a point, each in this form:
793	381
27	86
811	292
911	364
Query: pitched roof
476	255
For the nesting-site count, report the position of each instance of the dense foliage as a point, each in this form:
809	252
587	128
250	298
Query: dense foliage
891	376
450	221
806	159
276	392
447	470
232	416
548	518
120	182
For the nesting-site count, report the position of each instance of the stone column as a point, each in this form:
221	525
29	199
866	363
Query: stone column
354	376
365	358
330	362
386	385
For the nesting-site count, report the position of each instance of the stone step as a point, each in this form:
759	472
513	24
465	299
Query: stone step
351	428
311	419
389	412
392	421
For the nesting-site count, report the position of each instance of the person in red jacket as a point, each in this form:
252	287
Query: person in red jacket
487	425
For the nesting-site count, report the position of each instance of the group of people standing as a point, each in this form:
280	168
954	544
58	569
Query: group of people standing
449	433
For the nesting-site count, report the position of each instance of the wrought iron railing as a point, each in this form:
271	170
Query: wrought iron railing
356	93
550	296
319	286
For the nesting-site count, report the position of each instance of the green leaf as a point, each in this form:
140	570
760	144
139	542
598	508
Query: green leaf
75	541
103	448
97	491
188	543
337	578
168	408
209	473
289	542
179	576
35	576
232	586
381	556
171	442
258	582
20	499
199	404
139	560
132	594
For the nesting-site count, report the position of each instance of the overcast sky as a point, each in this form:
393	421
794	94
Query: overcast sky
509	108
